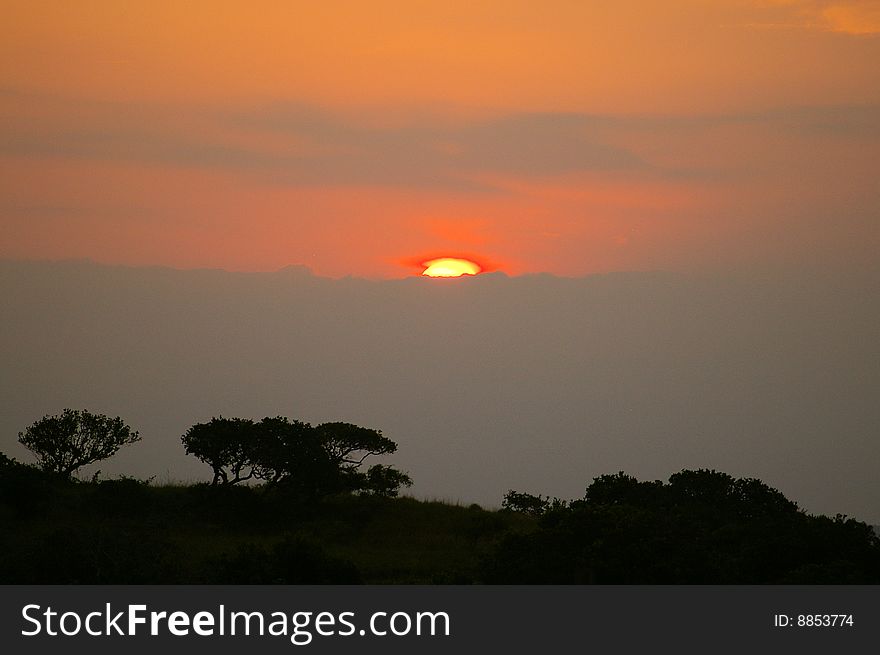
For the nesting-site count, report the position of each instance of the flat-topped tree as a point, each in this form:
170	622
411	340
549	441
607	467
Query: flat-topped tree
315	461
349	445
74	438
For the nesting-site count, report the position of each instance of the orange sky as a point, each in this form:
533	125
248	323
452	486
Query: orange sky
357	137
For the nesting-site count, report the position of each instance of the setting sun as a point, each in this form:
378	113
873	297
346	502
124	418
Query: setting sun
450	267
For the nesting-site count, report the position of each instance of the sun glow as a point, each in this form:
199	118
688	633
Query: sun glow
450	267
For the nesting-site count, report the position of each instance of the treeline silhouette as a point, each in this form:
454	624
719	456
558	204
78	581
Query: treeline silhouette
291	503
700	527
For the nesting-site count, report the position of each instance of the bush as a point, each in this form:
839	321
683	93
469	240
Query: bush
702	527
25	490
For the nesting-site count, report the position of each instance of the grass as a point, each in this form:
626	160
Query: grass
701	527
125	531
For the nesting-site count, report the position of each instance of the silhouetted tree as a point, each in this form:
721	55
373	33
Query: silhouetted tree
66	442
348	446
282	452
621	489
226	445
290	453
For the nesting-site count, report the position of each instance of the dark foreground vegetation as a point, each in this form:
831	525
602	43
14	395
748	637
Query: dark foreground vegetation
701	527
126	531
290	504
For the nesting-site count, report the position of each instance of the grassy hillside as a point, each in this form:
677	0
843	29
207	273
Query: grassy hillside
128	532
700	527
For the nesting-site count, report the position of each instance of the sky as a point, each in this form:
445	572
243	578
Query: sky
363	138
675	206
